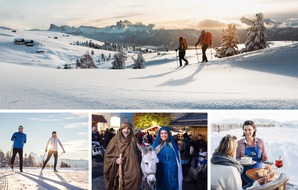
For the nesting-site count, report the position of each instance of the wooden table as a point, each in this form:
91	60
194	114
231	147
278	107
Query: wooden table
251	173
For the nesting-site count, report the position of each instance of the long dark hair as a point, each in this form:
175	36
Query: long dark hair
251	123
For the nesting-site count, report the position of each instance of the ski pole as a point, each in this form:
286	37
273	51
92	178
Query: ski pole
177	58
197	55
211	53
60	154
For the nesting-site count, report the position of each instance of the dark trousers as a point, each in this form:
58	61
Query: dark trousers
20	152
204	49
51	152
181	57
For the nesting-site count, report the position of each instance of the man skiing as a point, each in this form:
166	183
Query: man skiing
182	46
18	138
53	149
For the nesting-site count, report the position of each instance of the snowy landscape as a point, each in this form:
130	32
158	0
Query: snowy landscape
263	79
279	140
32	178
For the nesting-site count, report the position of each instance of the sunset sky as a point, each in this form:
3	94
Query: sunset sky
20	14
72	130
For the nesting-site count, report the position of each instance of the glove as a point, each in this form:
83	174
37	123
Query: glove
14	136
176	49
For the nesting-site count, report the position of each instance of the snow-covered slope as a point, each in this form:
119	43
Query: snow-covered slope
33	179
262	79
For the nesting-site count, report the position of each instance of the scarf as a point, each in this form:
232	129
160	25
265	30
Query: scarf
225	160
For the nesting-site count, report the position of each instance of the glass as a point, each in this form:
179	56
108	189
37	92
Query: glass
278	163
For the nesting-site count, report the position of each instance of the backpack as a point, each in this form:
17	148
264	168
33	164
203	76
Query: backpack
183	44
207	38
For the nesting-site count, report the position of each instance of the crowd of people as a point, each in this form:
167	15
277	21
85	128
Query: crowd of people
178	158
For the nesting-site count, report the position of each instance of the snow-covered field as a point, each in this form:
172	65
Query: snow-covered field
278	141
33	179
265	79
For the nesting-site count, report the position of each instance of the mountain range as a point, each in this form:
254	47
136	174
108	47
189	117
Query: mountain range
125	32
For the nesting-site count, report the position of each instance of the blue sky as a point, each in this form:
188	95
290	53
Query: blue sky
72	129
20	14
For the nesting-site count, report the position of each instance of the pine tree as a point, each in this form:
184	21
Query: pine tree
229	42
86	62
256	36
139	63
119	60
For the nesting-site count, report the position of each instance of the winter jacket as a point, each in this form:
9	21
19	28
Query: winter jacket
53	142
96	136
19	139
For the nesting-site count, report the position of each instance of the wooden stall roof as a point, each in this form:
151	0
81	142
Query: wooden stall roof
99	118
191	120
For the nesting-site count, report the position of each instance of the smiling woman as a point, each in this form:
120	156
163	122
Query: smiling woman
251	146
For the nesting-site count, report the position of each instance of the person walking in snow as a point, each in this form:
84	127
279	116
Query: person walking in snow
182	46
205	40
19	139
53	150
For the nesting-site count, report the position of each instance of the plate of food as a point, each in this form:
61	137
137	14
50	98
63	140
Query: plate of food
264	172
247	161
257	173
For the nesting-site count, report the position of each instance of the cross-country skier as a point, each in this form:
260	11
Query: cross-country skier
53	149
18	138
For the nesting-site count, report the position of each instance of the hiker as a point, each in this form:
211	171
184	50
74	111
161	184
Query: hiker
205	40
182	46
251	146
226	170
18	138
53	150
169	170
124	143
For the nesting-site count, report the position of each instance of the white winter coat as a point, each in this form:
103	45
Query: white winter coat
227	178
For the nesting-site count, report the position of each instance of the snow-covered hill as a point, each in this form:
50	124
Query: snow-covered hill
261	79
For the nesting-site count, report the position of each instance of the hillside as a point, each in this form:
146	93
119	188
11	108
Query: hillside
264	79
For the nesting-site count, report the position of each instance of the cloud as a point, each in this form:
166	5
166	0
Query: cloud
76	125
246	21
83	133
80	145
212	24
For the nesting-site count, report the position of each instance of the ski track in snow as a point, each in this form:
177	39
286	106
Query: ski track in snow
33	179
